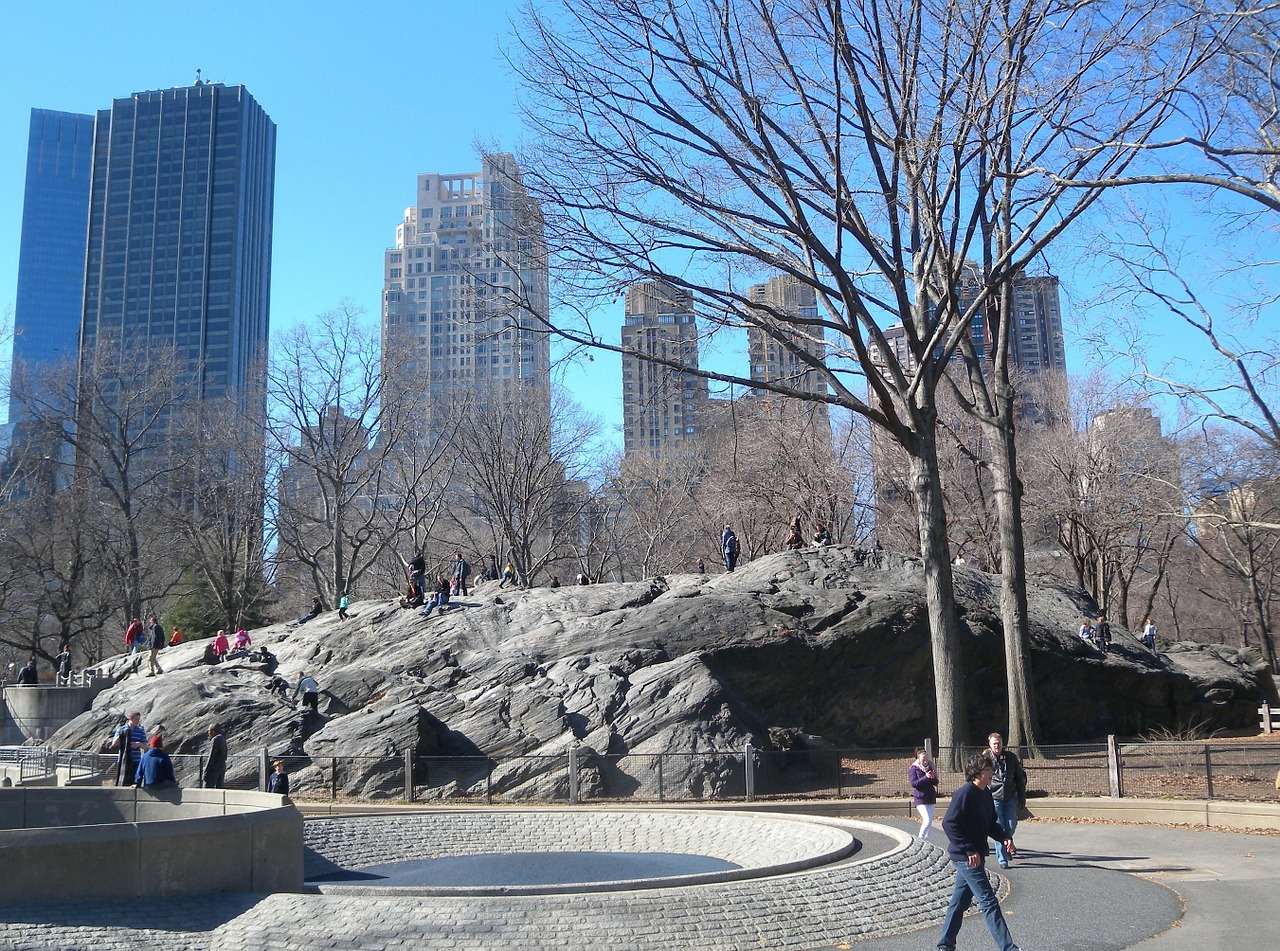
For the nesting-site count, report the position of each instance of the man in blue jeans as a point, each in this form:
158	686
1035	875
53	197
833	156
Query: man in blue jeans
970	821
1008	789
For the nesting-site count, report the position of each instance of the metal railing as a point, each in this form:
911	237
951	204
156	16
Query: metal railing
1177	770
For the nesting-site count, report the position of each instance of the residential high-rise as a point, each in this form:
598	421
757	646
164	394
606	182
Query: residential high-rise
465	291
784	298
661	406
179	237
1036	345
55	212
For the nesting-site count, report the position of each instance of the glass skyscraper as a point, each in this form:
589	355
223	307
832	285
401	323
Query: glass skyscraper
55	213
179	231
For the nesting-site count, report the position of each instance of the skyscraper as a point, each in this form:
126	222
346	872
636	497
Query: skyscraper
55	212
179	237
784	298
465	291
661	406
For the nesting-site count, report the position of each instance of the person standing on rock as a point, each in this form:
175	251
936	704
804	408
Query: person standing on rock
1149	634
729	548
215	768
461	572
795	534
924	789
156	634
418	572
508	576
970	821
1008	789
310	691
1102	634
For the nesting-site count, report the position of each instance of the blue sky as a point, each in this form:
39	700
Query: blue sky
364	98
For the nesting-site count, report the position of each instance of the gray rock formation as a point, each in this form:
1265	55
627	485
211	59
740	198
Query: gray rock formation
812	648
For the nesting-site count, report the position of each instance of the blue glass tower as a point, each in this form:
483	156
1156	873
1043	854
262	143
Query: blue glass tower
55	214
179	233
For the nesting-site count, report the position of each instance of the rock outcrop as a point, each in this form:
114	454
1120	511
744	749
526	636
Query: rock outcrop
806	649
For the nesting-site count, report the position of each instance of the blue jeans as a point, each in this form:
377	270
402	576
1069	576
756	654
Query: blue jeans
1007	813
971	884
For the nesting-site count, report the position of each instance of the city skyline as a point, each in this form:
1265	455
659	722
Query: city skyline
349	139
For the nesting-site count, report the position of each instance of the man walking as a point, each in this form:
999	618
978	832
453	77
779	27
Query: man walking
215	769
1008	789
970	821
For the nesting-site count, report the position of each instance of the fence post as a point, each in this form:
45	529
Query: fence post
408	775
262	769
1114	777
1208	772
662	789
333	778
839	774
1266	716
749	763
488	782
200	771
573	774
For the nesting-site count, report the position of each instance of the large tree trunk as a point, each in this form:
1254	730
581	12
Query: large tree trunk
1013	584
944	626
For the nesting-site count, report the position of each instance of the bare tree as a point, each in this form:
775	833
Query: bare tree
518	462
867	151
359	474
218	514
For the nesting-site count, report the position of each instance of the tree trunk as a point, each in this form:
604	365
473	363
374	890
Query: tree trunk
1013	584
944	626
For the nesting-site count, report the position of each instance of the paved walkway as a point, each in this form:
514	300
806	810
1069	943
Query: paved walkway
1075	887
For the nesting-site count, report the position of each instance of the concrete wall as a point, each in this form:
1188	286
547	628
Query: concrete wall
36	713
130	843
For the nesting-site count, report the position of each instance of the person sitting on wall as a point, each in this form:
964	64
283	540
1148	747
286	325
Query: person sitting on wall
155	769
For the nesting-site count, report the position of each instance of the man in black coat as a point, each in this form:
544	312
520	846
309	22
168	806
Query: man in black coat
970	821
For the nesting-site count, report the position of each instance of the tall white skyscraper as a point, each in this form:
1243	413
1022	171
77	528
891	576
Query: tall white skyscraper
465	290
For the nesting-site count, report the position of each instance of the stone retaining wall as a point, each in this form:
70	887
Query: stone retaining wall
78	843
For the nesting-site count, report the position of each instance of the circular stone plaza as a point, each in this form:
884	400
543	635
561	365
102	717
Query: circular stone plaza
579	878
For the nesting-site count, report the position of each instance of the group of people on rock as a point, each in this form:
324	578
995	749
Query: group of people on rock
1097	631
985	807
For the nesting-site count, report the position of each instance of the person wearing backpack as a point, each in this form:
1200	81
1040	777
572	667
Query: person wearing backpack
729	548
156	633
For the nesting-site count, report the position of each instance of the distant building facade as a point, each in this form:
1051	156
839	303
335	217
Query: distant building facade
662	407
55	214
465	291
772	361
179	236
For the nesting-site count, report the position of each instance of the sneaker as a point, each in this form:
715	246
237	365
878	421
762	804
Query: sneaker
1004	864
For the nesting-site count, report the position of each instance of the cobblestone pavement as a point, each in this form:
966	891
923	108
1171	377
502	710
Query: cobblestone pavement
897	890
1073	888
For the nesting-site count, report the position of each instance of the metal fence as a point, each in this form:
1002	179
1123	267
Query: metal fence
1206	770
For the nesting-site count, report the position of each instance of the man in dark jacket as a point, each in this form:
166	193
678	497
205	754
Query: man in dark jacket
970	821
215	769
28	676
155	769
461	572
1008	789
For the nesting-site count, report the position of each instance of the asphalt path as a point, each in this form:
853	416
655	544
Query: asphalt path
1106	887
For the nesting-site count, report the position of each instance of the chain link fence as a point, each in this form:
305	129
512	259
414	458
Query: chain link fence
1175	770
